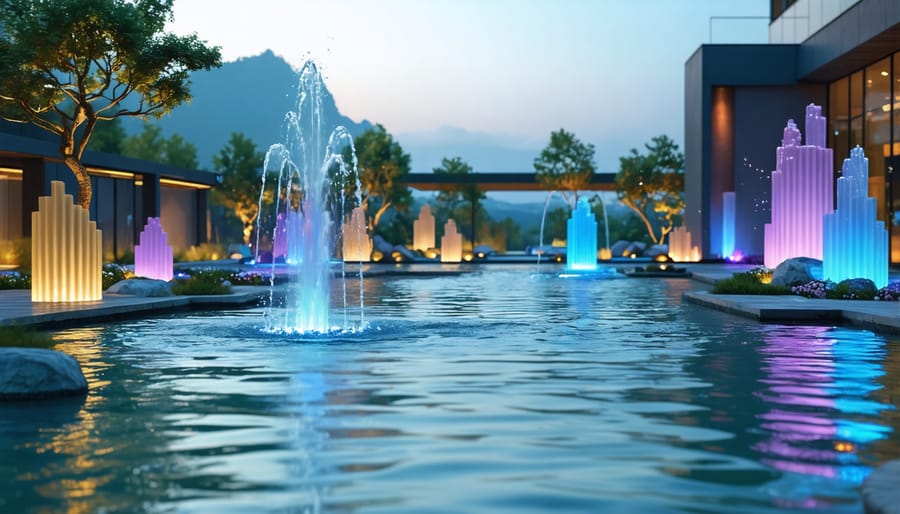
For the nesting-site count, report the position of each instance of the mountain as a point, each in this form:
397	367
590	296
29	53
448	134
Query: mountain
250	95
484	152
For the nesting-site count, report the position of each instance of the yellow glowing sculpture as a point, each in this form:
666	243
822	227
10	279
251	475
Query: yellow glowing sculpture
357	245
680	249
451	243
66	261
423	230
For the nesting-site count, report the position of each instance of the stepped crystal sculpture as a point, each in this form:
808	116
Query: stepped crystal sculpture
802	192
855	242
581	238
680	248
153	255
66	258
357	246
423	230
451	243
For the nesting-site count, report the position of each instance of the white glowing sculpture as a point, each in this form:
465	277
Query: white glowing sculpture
581	238
357	246
728	225
451	243
680	248
802	192
423	230
855	242
66	259
153	255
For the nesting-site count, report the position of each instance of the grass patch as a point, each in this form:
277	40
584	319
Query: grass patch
747	283
202	282
23	337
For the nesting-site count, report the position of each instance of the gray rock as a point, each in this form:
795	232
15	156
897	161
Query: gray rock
485	249
880	492
636	248
380	245
618	248
796	271
30	373
408	255
657	250
863	288
142	287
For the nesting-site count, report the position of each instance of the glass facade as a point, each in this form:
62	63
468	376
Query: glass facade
864	110
793	21
10	214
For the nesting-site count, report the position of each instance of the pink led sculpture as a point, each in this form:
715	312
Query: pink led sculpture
802	192
856	243
153	255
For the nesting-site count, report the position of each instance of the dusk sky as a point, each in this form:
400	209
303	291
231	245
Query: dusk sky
512	71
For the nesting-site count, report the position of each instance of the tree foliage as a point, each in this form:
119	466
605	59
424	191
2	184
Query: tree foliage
66	65
449	199
651	184
240	164
150	145
565	165
382	170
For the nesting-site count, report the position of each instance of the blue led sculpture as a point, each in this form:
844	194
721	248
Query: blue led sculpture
855	242
728	225
581	238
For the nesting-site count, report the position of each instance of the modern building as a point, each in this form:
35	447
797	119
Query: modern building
841	54
125	192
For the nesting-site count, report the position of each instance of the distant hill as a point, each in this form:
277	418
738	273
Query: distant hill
250	95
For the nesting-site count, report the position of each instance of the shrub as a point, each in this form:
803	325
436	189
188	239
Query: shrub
113	273
747	283
814	289
203	282
203	252
22	337
15	280
889	293
853	289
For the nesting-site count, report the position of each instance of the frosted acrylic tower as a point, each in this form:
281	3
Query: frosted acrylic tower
451	243
855	241
423	230
680	247
357	246
581	238
153	255
802	192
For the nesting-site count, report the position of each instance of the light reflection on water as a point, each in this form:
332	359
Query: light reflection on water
497	392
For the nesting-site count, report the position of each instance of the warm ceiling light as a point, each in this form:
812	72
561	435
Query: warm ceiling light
10	171
884	74
110	173
181	183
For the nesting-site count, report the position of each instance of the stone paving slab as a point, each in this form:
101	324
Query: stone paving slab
871	315
16	307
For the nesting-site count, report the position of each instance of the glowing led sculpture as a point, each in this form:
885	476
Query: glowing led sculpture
728	225
855	242
66	259
153	255
680	248
802	192
451	243
581	238
357	246
423	230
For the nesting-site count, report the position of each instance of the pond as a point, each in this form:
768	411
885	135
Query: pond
494	391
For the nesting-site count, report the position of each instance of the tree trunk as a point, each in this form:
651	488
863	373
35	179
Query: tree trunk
643	218
377	217
84	181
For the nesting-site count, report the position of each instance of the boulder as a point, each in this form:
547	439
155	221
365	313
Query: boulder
657	250
880	492
31	373
408	255
860	288
141	287
618	248
636	248
797	271
485	249
380	245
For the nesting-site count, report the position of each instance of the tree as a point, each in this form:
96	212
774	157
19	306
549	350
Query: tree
108	137
66	65
468	192
652	184
565	165
149	145
240	164
382	168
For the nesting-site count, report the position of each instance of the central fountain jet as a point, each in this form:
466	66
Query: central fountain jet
313	167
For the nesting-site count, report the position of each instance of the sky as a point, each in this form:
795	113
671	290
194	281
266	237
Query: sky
512	71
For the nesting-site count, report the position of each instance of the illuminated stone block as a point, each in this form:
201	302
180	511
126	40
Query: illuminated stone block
802	192
153	255
423	230
728	225
66	258
581	238
357	246
680	248
451	243
855	242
